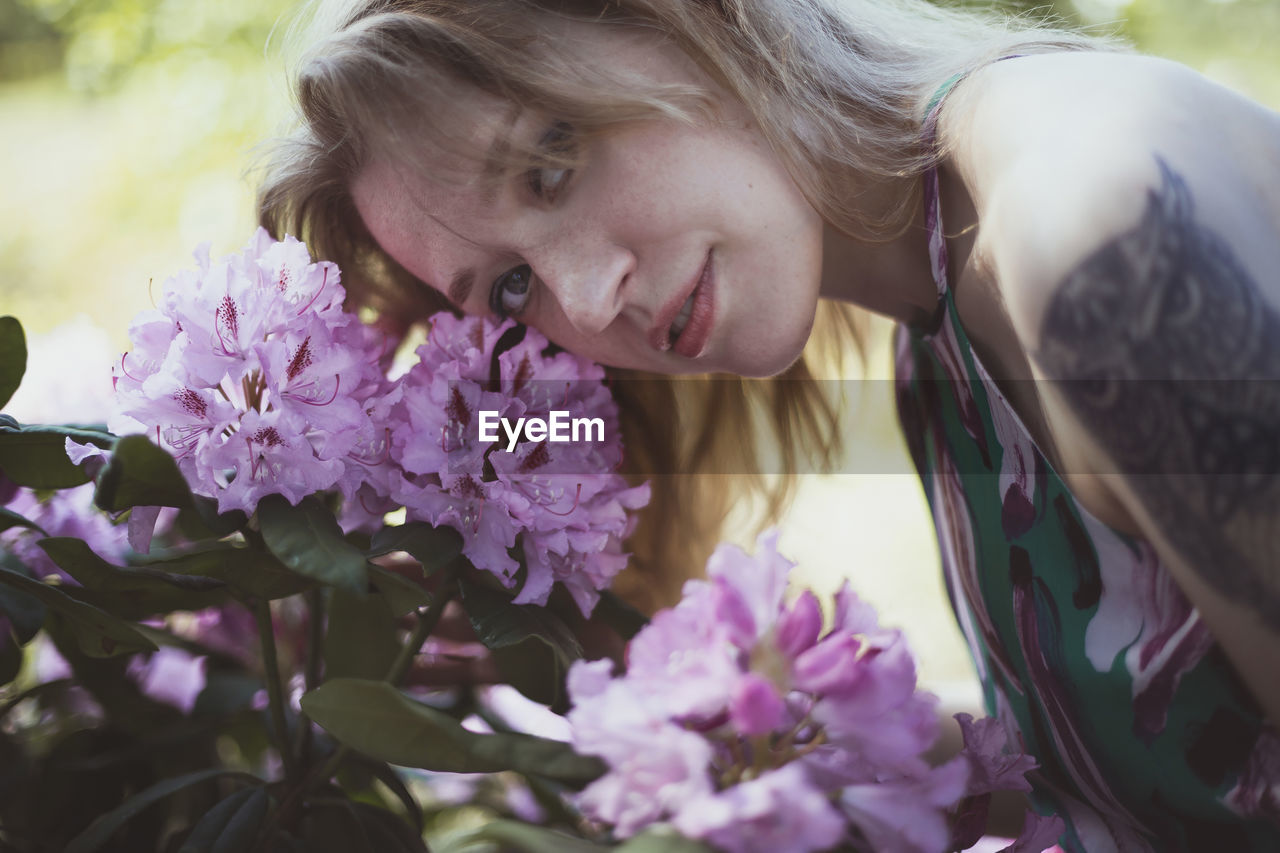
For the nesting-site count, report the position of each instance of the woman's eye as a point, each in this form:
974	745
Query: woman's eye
547	183
557	143
510	291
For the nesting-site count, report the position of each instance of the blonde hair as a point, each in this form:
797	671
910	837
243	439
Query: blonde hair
837	88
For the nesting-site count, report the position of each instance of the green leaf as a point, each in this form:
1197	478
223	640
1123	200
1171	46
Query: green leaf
202	520
98	633
133	593
331	826
25	612
619	615
10	657
9	518
361	638
36	456
498	623
512	836
385	774
100	831
662	840
206	832
13	700
241	830
13	357
226	692
374	718
308	540
402	595
387	831
531	646
140	474
432	547
248	572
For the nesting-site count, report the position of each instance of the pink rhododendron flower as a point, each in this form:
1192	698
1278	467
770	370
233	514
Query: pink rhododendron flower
249	374
780	810
907	815
170	675
68	512
561	502
258	382
805	738
993	766
1039	835
655	765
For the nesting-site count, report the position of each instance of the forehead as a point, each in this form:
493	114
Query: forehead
425	199
429	227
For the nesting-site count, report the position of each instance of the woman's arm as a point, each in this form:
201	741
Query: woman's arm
1140	281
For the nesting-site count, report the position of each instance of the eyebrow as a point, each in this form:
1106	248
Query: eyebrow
463	281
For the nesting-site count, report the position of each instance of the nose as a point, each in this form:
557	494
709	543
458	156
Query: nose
589	278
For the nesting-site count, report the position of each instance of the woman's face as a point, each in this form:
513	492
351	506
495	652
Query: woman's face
670	248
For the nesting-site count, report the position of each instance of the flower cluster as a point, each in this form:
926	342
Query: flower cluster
259	383
251	374
744	724
564	501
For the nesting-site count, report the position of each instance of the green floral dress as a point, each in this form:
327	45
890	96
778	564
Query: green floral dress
1088	651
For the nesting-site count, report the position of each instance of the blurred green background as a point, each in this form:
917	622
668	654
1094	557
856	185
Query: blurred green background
126	128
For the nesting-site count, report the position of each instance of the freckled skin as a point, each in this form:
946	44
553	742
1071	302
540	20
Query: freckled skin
628	232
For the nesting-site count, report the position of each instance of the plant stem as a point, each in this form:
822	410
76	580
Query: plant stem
427	621
315	651
275	696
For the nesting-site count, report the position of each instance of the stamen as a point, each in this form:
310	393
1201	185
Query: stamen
253	460
302	399
576	498
323	279
383	454
126	372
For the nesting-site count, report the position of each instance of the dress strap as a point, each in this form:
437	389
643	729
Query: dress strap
932	195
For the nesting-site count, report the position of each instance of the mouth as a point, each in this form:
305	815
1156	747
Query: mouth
685	326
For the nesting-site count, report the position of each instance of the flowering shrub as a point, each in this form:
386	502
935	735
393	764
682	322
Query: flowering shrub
265	603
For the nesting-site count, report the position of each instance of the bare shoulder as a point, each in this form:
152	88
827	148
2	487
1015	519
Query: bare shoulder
1062	153
1130	216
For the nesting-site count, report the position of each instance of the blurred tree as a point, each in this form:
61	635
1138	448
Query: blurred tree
1233	41
29	44
102	42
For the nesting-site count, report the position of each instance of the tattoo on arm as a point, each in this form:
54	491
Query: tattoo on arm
1165	350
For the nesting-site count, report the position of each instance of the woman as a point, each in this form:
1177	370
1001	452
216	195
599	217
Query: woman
671	187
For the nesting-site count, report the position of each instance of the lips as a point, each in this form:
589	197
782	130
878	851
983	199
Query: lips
698	318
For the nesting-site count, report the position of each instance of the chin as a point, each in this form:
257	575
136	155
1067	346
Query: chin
775	352
769	359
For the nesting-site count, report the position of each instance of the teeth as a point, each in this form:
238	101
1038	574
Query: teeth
677	325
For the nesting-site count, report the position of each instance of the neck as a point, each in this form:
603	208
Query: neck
895	277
